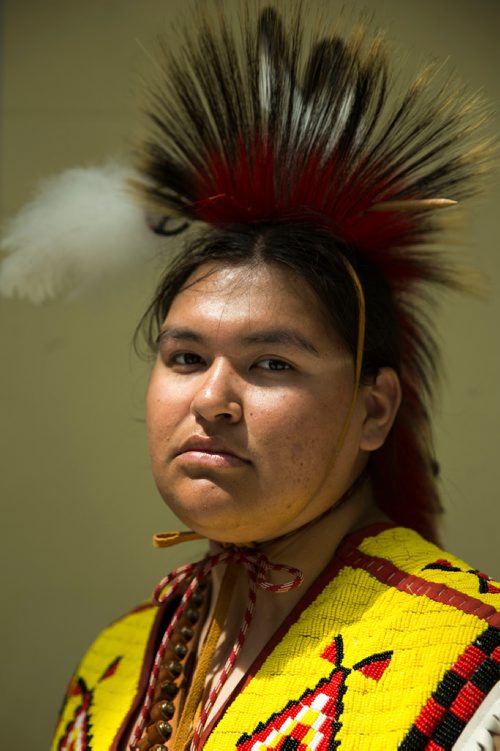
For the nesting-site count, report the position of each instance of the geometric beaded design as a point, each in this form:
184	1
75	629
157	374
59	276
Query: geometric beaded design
485	584
77	735
314	719
434	625
102	693
459	694
395	646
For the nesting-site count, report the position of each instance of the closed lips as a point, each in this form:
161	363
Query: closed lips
208	446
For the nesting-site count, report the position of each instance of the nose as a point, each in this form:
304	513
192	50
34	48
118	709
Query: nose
216	397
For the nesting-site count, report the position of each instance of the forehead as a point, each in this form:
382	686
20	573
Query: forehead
253	294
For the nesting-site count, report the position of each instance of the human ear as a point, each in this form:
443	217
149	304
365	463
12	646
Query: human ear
381	401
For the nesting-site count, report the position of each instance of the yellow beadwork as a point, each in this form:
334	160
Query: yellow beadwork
111	698
424	638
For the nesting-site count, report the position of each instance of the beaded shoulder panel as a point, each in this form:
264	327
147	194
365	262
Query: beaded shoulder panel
396	650
105	685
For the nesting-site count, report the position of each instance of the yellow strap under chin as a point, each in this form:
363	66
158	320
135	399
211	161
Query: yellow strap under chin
169	539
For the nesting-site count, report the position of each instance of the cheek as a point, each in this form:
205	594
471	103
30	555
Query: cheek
295	435
165	408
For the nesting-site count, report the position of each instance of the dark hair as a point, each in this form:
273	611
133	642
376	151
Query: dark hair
316	257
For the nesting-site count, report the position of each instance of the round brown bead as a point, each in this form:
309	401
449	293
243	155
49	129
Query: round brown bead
168	690
162	710
192	615
175	667
180	650
197	598
167	709
187	633
165	729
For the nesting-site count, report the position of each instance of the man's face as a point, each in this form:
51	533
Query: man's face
246	403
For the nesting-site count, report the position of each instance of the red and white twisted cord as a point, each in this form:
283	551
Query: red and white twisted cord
258	567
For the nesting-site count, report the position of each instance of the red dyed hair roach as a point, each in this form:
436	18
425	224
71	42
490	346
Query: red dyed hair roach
269	123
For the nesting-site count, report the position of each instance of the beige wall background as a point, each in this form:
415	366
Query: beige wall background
78	503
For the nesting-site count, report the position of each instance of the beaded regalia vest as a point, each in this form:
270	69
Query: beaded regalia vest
395	646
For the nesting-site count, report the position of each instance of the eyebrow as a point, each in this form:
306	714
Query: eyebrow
288	337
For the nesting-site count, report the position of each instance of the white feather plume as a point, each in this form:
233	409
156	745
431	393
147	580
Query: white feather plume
82	225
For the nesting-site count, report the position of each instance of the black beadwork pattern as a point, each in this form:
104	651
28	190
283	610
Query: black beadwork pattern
380	657
457	696
293	742
484	581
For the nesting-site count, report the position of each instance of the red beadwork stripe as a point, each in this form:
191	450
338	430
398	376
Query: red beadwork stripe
467	701
433	746
389	574
430	717
468	698
469	661
300	731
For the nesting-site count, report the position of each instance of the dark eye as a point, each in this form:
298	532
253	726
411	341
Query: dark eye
269	363
185	358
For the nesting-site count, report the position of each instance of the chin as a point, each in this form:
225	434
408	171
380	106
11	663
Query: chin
207	509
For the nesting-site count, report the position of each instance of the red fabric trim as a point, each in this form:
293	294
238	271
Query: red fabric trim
388	573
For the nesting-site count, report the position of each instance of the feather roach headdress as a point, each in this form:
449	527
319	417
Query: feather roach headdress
268	124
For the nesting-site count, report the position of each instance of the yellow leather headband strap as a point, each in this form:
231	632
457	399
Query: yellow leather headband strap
360	346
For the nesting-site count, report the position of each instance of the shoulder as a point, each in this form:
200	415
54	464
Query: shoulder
104	686
124	640
401	558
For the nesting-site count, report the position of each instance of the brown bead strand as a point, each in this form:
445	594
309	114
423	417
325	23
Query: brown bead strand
173	675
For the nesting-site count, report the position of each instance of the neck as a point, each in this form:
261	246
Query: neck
309	549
